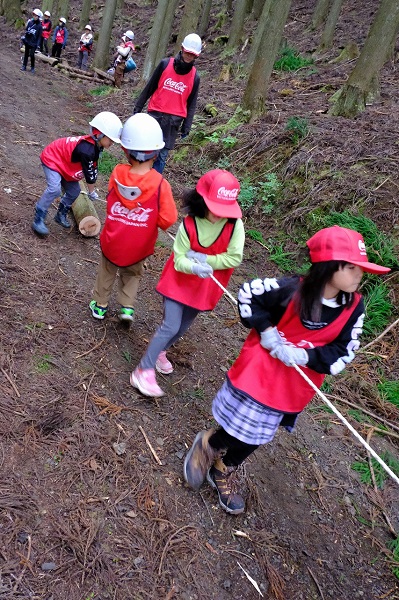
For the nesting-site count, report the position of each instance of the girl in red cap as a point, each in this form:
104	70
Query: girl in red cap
314	322
210	241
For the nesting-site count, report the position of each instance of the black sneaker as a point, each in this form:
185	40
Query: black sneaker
224	479
198	460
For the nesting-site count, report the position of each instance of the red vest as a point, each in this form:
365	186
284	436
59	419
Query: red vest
172	93
129	235
58	157
60	35
46	26
269	381
202	294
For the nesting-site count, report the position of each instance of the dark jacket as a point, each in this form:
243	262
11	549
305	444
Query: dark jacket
55	35
33	33
170	124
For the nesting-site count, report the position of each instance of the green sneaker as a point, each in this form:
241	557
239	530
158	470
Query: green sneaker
126	314
98	312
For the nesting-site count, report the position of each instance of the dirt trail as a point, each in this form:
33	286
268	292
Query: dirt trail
121	526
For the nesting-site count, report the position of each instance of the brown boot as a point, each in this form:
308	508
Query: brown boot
224	479
200	457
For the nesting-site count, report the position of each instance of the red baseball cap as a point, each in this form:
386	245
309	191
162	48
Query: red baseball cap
220	191
339	243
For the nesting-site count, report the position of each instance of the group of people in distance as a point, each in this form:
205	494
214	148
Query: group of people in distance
312	321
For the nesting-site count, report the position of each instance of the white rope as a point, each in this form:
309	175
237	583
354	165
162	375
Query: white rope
225	291
348	425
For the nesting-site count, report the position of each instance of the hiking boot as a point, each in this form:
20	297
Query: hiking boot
163	365
199	459
145	381
98	312
61	216
23	68
38	224
32	71
126	314
224	479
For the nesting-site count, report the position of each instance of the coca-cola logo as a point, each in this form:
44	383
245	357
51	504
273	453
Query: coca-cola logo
362	247
139	214
177	86
226	194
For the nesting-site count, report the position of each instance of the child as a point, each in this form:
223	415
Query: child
31	39
314	321
209	241
46	26
138	202
123	61
60	38
67	160
85	48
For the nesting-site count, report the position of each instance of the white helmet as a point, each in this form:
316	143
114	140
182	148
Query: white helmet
142	137
47	13
192	44
38	12
129	34
88	27
108	124
63	20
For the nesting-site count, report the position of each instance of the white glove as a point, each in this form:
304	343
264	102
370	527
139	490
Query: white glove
198	256
290	355
270	339
93	195
202	270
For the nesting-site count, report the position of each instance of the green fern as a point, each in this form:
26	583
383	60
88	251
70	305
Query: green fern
380	474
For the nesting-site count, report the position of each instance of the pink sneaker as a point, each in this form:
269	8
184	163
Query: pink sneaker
163	365
144	380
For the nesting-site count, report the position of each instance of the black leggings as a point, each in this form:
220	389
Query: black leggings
29	52
237	451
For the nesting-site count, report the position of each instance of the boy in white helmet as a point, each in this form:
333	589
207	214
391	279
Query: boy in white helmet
60	38
68	160
85	47
172	92
46	27
123	60
138	202
31	39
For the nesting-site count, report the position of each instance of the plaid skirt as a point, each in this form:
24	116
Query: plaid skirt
247	420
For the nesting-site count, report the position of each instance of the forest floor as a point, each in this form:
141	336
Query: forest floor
86	510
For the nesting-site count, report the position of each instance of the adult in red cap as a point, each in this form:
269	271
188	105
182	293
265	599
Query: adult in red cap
209	242
315	322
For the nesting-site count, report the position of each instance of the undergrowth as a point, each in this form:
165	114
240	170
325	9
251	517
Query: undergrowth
363	467
107	163
290	60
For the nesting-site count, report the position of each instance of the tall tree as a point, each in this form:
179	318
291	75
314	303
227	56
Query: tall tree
165	32
63	8
101	57
331	23
237	24
362	86
257	38
85	14
189	20
204	19
48	5
258	80
257	9
320	13
11	9
152	50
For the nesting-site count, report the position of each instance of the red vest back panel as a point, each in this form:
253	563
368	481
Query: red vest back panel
58	157
172	93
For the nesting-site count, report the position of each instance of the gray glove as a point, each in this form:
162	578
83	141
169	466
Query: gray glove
202	270
270	339
93	195
290	355
198	256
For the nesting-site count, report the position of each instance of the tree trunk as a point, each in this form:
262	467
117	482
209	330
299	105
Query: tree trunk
229	5
189	20
12	10
85	14
258	80
256	40
164	35
331	23
237	24
63	8
320	13
152	50
101	57
362	85
86	216
257	9
204	20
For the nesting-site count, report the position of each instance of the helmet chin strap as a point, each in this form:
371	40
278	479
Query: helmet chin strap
96	137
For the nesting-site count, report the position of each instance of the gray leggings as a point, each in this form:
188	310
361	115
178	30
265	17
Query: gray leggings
177	318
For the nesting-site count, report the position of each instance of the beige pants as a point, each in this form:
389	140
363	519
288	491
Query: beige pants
128	282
